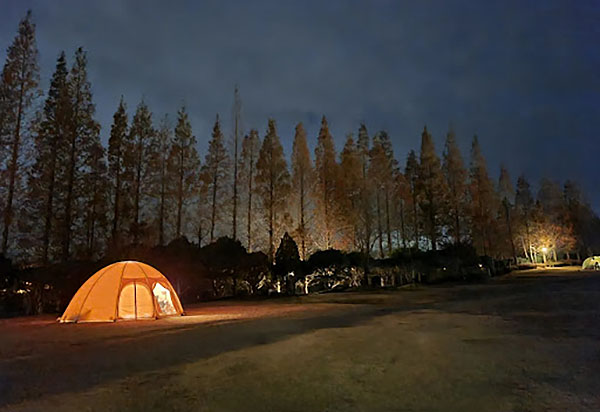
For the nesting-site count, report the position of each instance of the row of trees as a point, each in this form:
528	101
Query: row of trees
66	196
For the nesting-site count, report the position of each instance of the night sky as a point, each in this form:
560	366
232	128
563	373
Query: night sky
524	76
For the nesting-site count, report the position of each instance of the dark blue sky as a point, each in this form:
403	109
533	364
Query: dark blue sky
523	75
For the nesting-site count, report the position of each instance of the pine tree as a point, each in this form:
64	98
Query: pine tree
411	174
431	189
350	187
363	144
581	218
326	171
483	201
381	176
456	178
237	126
215	170
403	198
18	90
249	156
139	146
163	174
272	183
507	195
391	169
302	180
48	142
83	136
96	194
184	162
552	200
117	153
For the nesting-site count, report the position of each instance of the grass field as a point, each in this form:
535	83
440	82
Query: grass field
524	342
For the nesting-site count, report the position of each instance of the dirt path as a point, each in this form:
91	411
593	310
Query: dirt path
522	343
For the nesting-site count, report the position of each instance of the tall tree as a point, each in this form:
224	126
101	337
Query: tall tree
350	188
326	171
18	90
116	164
302	180
381	176
363	148
184	162
392	170
215	170
163	173
524	205
551	198
411	174
272	182
582	219
140	147
507	195
95	196
83	138
431	189
50	138
237	126
248	159
456	178
483	200
403	198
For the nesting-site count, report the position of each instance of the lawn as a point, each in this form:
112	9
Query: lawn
525	342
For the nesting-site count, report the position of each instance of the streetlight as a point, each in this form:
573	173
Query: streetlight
544	250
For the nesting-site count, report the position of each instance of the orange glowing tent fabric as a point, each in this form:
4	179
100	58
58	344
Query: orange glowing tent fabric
123	290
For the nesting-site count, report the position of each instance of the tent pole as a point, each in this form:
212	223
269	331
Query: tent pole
135	300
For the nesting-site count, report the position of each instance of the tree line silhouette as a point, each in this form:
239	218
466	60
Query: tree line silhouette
65	196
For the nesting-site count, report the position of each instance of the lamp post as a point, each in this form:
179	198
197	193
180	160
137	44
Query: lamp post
544	250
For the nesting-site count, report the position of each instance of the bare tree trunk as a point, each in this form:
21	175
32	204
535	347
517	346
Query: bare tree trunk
49	206
387	222
180	193
199	234
402	224
510	234
415	219
235	180
249	222
70	187
327	223
432	223
302	223
379	227
456	225
138	189
115	223
161	210
271	219
213	215
236	131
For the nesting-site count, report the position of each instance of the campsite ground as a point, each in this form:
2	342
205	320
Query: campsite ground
525	342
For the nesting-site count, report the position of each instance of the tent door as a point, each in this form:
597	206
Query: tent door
163	299
135	302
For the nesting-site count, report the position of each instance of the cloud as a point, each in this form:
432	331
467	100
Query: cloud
524	76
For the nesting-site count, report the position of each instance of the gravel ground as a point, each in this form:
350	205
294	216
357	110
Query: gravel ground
524	342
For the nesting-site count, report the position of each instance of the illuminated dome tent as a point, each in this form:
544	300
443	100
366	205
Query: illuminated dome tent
123	290
591	263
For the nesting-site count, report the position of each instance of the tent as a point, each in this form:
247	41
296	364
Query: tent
123	290
591	263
